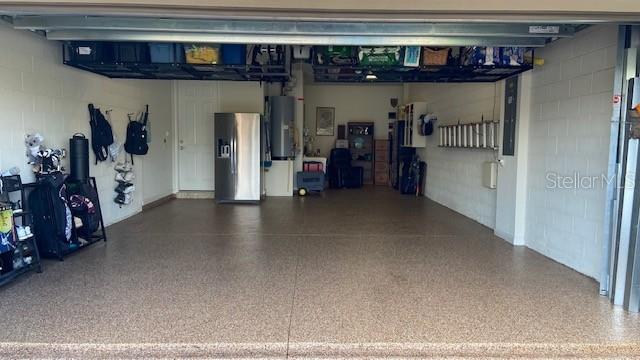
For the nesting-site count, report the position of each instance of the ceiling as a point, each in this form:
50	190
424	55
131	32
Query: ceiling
539	11
450	23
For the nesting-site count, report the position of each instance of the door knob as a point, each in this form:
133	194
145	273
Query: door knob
181	147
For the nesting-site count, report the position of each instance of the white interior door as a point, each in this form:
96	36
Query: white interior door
196	105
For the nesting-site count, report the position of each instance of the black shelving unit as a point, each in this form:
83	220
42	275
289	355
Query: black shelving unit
24	248
360	136
77	242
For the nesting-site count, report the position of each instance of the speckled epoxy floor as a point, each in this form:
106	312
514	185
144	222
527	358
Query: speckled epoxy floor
353	269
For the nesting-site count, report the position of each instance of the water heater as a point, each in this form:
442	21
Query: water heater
281	118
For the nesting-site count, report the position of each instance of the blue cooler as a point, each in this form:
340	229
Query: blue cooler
309	181
234	54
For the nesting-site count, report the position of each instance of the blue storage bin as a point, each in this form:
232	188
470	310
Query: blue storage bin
166	53
234	54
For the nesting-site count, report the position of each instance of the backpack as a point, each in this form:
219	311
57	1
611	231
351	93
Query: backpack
136	143
426	124
101	134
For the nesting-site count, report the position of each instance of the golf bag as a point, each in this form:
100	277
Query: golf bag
83	202
51	214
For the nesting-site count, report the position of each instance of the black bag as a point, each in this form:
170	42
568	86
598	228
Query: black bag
353	178
426	125
339	162
51	221
411	184
101	134
426	128
136	143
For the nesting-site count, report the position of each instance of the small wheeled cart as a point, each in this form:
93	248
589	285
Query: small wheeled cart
310	181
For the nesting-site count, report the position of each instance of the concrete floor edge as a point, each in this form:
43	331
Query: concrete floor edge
316	350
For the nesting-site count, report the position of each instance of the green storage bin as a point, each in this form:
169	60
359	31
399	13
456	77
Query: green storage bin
337	55
379	55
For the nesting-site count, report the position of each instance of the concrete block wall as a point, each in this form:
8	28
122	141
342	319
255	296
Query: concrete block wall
39	94
569	136
454	176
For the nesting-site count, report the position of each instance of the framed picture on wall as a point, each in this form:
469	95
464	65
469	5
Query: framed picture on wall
325	121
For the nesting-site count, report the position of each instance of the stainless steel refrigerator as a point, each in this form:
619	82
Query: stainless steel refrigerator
238	157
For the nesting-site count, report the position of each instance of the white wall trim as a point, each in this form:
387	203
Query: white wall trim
123	217
519	240
176	136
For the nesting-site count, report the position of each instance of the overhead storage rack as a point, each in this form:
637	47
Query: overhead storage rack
116	28
269	73
427	73
139	66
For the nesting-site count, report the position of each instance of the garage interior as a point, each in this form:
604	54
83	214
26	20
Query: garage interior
491	252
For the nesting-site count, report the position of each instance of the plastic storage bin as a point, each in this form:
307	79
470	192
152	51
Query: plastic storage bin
412	56
166	53
336	55
90	51
379	55
131	52
434	56
202	53
234	54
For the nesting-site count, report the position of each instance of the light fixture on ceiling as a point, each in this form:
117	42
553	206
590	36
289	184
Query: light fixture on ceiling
371	76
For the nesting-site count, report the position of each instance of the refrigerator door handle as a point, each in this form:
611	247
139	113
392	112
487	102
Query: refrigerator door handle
234	160
232	155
